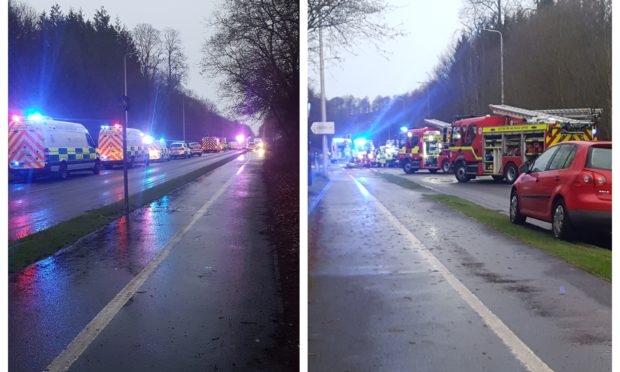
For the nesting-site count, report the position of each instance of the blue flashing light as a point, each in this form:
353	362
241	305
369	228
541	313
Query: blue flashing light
105	127
15	163
35	117
147	140
403	129
359	142
162	139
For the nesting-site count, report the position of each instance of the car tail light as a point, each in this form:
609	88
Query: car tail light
600	180
585	179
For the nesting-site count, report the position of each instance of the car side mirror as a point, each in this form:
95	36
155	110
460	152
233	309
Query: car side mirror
525	168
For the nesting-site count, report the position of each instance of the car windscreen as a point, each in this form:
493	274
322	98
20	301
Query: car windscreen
599	158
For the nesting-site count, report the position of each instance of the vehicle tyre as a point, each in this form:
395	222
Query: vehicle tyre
97	167
511	173
200	155
130	164
147	162
515	213
560	221
107	166
63	173
497	178
433	171
408	168
460	172
445	166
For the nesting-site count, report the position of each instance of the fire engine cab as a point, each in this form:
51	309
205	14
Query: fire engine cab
497	145
421	149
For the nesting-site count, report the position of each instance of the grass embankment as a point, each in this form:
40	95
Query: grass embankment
25	251
588	257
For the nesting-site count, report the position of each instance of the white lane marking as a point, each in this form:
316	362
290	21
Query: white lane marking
73	351
519	349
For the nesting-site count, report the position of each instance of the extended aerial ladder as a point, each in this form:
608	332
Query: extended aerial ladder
570	120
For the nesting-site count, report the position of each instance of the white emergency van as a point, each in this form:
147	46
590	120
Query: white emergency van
111	146
42	145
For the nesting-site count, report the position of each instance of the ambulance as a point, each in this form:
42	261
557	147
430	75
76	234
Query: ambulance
41	145
158	150
111	146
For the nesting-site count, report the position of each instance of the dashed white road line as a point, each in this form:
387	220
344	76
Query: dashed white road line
518	348
79	344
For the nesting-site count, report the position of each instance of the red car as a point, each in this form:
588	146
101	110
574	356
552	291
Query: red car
568	185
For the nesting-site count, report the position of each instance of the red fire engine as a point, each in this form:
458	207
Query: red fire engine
497	145
422	149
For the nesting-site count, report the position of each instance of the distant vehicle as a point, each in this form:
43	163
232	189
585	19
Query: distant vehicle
111	146
159	151
259	144
195	149
179	149
250	144
39	145
568	185
421	149
234	145
211	144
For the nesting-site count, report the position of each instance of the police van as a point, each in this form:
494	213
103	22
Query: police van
41	145
111	146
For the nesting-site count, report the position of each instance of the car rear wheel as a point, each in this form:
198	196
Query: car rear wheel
515	213
461	173
560	223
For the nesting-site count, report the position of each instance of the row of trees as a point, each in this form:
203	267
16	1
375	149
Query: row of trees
71	68
557	54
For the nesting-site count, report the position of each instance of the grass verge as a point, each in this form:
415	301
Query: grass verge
588	257
23	252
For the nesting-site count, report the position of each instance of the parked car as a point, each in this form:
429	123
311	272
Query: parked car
569	185
195	149
179	149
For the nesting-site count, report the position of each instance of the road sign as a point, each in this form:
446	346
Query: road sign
323	127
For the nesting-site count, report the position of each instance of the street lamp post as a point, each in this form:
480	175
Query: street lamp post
126	108
323	109
501	58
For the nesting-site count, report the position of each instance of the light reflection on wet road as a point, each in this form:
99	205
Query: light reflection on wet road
43	203
52	300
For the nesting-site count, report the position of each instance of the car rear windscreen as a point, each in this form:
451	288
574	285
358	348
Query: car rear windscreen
599	158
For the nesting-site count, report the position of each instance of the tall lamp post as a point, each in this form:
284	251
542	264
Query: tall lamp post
501	52
323	109
126	108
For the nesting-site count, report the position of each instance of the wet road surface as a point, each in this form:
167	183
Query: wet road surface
377	301
212	303
43	203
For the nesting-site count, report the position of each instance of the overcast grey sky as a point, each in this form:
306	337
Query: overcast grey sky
430	27
187	16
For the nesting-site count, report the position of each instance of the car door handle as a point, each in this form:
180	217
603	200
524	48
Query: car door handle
557	178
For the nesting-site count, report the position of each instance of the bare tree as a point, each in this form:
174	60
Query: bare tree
174	59
477	14
256	50
345	21
148	47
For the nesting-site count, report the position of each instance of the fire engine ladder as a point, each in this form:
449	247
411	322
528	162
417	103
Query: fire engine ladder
437	123
579	113
533	116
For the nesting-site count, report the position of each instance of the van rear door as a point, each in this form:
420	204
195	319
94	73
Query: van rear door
26	146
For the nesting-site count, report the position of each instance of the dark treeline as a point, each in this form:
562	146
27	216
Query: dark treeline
71	68
556	55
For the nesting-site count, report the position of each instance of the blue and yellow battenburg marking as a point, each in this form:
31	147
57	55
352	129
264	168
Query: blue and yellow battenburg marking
56	154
